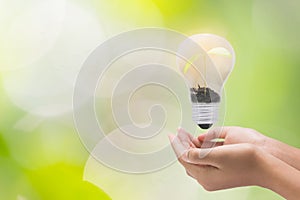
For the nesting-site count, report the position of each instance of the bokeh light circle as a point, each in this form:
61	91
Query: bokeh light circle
108	136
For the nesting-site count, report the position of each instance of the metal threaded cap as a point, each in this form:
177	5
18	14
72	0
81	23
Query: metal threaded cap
205	114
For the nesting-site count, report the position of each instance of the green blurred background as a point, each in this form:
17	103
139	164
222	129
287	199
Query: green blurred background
43	44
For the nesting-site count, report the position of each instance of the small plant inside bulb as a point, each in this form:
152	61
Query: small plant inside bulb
204	95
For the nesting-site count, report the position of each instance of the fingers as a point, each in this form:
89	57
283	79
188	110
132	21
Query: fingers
213	137
203	156
184	137
181	143
218	155
218	132
211	144
177	146
206	140
184	146
193	159
196	142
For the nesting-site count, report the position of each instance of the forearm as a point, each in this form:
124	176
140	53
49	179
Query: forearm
281	177
284	152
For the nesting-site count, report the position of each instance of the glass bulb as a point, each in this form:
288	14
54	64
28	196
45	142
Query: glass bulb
206	70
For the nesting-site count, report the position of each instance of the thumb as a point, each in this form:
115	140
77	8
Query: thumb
207	156
218	132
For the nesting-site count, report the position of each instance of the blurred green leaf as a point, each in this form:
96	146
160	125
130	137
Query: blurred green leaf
63	182
3	147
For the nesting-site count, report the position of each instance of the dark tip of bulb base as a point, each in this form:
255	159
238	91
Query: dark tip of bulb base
205	126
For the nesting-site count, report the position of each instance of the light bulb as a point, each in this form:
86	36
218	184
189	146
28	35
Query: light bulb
206	72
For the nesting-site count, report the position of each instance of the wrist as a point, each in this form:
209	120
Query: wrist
267	170
260	140
269	145
277	149
265	173
278	176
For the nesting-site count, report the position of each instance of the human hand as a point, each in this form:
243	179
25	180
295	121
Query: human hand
234	165
230	135
239	135
220	167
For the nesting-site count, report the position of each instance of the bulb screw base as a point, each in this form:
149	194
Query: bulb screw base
205	114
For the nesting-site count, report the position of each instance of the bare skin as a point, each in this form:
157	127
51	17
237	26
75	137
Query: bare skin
237	135
242	159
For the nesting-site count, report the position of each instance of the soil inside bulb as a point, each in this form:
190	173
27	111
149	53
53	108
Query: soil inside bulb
204	95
